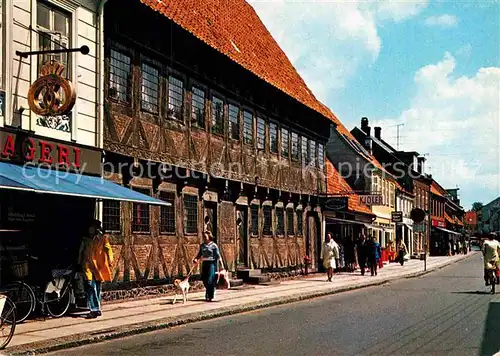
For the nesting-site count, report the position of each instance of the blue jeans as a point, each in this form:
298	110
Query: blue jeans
209	278
94	295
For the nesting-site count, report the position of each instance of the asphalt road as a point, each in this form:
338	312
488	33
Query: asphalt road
448	312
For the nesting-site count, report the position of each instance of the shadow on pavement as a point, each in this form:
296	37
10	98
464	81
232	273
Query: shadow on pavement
491	340
474	292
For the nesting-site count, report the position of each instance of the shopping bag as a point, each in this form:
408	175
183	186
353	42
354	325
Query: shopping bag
406	257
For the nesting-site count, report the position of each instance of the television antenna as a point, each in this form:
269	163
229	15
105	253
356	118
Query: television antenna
397	137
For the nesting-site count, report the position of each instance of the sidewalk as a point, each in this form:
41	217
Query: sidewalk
132	317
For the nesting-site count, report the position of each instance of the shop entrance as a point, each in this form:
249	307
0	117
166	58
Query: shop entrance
242	226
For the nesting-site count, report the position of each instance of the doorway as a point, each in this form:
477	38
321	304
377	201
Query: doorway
210	218
313	238
242	227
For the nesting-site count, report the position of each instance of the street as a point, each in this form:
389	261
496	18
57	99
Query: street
443	313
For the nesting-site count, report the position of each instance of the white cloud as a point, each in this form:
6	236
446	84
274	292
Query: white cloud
442	21
456	120
327	41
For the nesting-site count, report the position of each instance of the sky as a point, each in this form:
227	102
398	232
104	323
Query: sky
431	66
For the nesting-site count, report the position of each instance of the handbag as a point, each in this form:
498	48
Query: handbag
406	257
223	277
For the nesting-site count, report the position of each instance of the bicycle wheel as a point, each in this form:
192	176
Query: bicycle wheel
57	297
7	322
23	297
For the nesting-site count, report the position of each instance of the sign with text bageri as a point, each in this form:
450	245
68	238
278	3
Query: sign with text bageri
20	147
52	97
371	199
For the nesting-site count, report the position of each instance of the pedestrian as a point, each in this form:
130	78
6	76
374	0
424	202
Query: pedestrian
330	255
349	253
361	250
96	260
373	254
401	250
210	257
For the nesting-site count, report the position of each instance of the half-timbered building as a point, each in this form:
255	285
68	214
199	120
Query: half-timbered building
204	110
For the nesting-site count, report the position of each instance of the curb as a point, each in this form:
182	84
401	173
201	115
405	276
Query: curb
164	323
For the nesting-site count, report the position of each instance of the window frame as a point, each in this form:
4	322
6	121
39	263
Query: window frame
260	119
267	231
321	158
104	225
223	121
129	86
182	110
290	228
195	122
300	222
276	126
185	217
141	190
254	230
304	150
231	103
173	206
295	157
285	146
152	64
245	141
280	228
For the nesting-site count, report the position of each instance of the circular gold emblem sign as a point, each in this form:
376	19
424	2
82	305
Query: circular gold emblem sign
51	94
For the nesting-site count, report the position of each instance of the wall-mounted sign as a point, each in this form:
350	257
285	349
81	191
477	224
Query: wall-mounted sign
437	223
397	216
52	97
23	148
419	227
337	203
371	199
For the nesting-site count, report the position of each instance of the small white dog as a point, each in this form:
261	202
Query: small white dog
182	286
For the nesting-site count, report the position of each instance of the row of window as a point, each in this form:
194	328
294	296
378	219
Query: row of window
422	198
141	216
386	189
256	130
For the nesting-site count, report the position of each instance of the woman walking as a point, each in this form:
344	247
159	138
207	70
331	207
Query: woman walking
402	250
210	257
329	253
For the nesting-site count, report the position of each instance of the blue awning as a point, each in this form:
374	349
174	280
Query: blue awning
49	181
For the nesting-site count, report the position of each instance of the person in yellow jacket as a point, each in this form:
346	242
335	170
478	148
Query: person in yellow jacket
96	259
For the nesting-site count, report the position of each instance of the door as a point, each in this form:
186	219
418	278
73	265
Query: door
313	239
242	227
210	218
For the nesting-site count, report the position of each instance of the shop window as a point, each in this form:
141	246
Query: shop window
289	222
217	116
149	88
273	135
234	123
254	218
299	222
111	215
261	133
198	107
120	79
175	98
285	143
54	33
167	213
247	127
190	214
268	221
295	146
304	151
280	222
321	156
140	214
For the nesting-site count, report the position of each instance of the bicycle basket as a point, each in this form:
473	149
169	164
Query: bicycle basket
19	269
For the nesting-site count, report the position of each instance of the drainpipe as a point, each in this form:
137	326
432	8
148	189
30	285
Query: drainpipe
100	88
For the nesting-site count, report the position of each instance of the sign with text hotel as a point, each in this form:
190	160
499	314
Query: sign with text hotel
21	147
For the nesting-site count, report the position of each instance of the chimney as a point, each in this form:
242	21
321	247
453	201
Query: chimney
364	125
421	165
378	132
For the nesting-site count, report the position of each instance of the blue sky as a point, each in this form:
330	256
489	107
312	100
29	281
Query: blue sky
432	65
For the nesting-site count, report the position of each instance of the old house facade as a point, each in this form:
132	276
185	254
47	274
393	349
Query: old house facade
209	115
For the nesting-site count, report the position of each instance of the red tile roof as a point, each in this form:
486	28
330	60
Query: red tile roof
233	28
337	185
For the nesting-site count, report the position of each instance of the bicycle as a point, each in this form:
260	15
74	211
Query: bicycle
55	298
7	320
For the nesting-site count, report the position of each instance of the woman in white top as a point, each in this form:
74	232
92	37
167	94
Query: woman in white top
329	254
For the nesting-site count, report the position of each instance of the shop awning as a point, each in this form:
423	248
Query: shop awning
448	231
47	181
345	221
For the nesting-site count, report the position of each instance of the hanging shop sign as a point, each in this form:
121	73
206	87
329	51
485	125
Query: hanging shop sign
371	199
52	97
397	216
437	223
337	203
21	147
